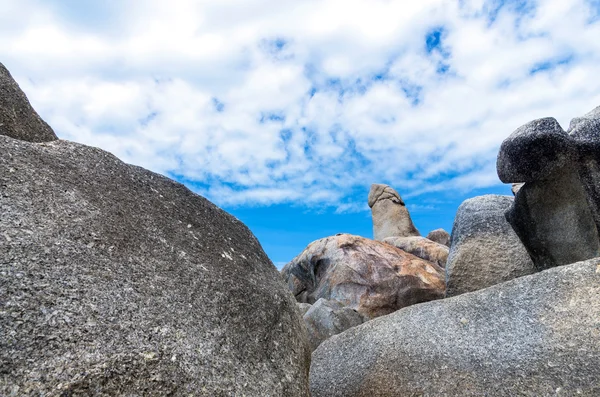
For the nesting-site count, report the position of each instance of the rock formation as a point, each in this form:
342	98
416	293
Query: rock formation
554	212
533	336
368	276
390	216
421	247
118	281
585	132
327	318
485	250
17	118
439	236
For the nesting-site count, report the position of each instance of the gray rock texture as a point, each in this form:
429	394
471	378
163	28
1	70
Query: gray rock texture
556	213
485	250
554	221
327	318
368	276
303	307
116	281
421	247
390	215
440	236
17	118
585	131
534	151
534	336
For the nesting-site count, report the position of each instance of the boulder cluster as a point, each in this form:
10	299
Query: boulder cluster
116	281
508	305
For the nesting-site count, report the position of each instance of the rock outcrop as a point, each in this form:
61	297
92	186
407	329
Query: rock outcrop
118	281
585	132
390	215
440	236
368	276
485	250
554	212
17	118
421	247
327	318
533	336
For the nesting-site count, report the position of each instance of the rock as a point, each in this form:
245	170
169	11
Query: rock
327	318
368	276
585	131
533	336
118	281
421	247
17	118
554	221
515	188
440	236
390	216
485	250
534	151
303	307
556	213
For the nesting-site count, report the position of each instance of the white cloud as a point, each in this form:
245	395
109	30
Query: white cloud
277	101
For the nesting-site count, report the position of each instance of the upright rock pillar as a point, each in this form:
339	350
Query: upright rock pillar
390	215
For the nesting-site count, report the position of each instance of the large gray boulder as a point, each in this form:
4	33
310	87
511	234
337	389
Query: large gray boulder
17	118
485	250
118	281
368	276
556	213
533	336
390	215
327	318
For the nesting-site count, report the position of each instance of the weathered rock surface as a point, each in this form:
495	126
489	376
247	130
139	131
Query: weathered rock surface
368	276
555	224
118	281
17	118
585	131
390	215
327	318
440	236
533	336
303	307
556	213
534	151
485	250
421	247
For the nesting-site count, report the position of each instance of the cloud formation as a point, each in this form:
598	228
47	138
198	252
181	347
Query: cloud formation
306	102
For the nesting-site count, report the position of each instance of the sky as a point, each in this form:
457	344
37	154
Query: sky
284	112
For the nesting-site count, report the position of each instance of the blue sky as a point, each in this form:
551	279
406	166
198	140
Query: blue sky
284	112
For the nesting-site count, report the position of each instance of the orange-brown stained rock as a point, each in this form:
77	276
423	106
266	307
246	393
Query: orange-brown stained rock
371	277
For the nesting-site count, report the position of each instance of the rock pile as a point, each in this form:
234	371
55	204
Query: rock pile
525	321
